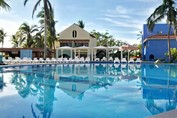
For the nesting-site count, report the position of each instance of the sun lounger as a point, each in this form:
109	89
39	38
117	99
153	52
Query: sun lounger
59	60
138	60
47	60
53	60
131	60
97	59
35	60
103	59
110	59
87	59
41	60
82	60
116	60
123	60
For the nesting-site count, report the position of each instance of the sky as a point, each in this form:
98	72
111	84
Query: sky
121	18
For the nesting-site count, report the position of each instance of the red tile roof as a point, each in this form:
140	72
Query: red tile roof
159	37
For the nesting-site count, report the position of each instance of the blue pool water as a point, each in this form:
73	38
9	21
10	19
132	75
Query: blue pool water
87	91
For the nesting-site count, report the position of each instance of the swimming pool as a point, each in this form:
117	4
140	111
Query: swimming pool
87	90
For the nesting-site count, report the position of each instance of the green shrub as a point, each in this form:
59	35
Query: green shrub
173	54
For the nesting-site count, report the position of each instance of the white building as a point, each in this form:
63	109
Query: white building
75	41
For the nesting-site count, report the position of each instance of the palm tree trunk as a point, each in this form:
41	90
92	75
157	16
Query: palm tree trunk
45	30
169	52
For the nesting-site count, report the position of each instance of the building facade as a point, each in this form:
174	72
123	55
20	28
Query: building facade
74	37
155	43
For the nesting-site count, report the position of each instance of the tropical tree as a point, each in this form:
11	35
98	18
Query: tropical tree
81	24
140	35
105	39
47	8
51	37
17	39
14	41
2	36
38	40
165	10
27	32
4	5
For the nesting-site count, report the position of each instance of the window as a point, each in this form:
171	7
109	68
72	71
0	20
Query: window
74	34
80	44
65	44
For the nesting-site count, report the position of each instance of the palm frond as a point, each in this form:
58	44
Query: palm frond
35	7
4	5
25	2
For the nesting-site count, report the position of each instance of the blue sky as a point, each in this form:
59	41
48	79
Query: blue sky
121	18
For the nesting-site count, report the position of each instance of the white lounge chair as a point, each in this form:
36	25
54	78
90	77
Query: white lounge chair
131	60
138	60
41	60
17	60
76	59
87	59
59	60
103	59
35	60
82	60
47	60
116	60
65	60
5	61
123	60
110	59
71	60
97	59
26	60
53	60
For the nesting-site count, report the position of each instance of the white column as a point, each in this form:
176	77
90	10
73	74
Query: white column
56	53
74	53
88	53
121	55
79	53
71	54
61	53
128	55
92	54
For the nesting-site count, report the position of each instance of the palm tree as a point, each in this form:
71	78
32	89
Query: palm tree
165	10
81	24
139	35
47	8
4	5
27	33
51	38
14	41
2	36
38	40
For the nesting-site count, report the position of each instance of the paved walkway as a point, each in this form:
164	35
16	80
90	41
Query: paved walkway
170	114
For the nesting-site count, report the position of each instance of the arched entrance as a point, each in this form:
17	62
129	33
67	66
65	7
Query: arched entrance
151	57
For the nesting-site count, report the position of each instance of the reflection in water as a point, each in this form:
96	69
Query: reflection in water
2	84
159	84
72	79
29	82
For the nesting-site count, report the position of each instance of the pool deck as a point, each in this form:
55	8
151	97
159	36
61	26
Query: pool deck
169	114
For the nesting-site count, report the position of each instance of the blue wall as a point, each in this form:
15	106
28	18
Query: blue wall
26	53
158	28
156	47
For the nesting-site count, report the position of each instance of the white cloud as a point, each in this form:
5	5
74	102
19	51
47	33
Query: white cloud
118	10
121	10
